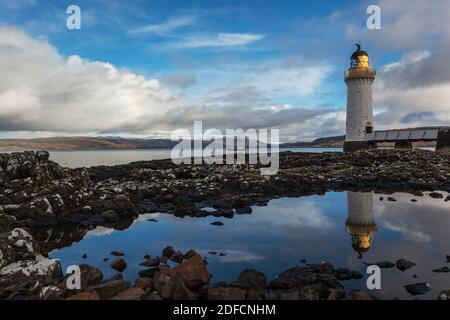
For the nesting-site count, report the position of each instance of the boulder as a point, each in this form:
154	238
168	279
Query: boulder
110	289
133	293
403	264
119	264
168	251
359	295
84	296
417	288
444	269
252	278
150	262
193	272
164	285
110	216
177	257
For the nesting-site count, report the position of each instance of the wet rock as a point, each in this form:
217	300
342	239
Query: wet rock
403	264
133	293
436	195
181	292
144	283
117	253
177	257
168	251
391	199
84	256
217	223
148	273
189	254
110	216
90	296
110	289
193	272
417	288
360	295
165	285
119	264
382	264
442	270
225	293
252	278
213	253
448	258
150	262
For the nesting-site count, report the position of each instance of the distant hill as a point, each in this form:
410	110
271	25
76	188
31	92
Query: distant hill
118	143
84	143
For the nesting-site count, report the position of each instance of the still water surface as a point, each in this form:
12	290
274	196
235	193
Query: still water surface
74	159
345	228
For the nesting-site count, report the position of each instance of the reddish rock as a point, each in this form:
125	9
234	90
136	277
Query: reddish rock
193	272
165	285
111	288
84	296
133	293
360	295
119	264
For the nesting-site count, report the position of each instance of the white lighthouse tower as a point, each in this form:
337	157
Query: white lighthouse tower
360	221
359	79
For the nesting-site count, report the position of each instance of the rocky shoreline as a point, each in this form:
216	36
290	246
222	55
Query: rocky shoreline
36	193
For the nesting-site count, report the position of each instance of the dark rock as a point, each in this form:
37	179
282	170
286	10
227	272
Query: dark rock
85	296
165	285
252	278
133	293
217	223
213	253
417	288
168	251
189	254
148	273
177	257
360	295
436	195
150	262
84	256
442	270
119	264
391	199
117	254
110	216
110	289
403	264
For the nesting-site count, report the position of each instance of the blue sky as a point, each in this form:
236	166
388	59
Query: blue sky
229	63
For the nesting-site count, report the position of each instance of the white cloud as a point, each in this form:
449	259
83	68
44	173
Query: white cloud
165	27
219	40
42	91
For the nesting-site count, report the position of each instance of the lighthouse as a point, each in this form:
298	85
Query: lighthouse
360	221
359	79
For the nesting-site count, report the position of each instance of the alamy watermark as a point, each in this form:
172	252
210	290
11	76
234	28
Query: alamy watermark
374	20
234	146
73	21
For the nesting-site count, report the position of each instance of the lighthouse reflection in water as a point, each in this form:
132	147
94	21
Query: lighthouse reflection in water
360	223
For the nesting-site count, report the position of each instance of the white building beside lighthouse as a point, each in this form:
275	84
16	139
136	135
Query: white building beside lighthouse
359	79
